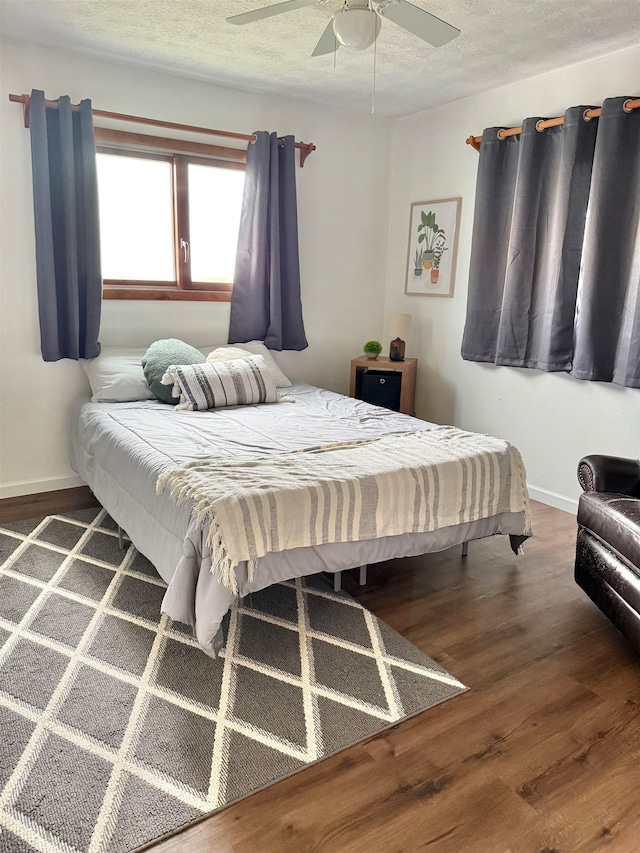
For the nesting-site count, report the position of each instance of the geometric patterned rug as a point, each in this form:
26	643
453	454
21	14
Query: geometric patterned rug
116	729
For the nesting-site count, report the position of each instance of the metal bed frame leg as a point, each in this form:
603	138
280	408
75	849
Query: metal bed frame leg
337	578
465	549
120	539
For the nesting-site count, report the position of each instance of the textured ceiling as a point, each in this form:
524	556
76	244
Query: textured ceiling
501	41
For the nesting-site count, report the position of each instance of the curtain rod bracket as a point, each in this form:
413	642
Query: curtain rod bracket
305	149
24	100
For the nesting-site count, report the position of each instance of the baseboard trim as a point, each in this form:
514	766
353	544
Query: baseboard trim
550	498
35	487
46	503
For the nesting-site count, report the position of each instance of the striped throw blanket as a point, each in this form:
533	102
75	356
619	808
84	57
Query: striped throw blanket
402	483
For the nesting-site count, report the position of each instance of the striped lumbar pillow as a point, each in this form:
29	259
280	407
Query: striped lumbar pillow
240	382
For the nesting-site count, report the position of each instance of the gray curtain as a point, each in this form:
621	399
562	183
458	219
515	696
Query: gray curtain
65	198
607	332
265	303
543	213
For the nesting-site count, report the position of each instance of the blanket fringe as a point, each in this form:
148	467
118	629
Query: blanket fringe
251	569
222	566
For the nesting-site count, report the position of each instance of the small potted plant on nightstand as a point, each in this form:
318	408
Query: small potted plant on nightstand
372	349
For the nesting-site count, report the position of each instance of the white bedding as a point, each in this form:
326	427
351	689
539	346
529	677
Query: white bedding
120	450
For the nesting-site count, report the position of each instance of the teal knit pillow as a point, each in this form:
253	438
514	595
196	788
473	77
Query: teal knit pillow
160	356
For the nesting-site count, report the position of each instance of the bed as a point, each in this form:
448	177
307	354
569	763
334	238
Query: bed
121	449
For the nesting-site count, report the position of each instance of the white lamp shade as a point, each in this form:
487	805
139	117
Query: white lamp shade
356	27
399	326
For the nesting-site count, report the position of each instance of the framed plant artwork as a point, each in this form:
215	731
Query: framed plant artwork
433	246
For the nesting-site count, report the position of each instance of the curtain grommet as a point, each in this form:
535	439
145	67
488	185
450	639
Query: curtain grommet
539	127
499	134
626	108
586	116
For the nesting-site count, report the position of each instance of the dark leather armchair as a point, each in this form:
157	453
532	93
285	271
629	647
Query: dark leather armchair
608	547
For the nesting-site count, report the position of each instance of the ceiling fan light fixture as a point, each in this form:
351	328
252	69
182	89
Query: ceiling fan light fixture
356	26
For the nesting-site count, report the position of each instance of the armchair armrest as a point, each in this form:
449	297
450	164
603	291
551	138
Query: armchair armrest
610	474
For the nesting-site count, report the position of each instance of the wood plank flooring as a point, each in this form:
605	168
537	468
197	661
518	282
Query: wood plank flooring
46	503
542	755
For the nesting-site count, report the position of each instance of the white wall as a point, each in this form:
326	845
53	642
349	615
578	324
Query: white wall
552	418
342	209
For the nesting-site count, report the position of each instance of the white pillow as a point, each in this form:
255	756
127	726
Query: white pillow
227	354
237	382
257	348
116	375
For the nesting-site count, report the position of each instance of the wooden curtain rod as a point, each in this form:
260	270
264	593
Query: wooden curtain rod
476	141
305	148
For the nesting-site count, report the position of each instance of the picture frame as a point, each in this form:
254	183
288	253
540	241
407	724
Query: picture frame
433	247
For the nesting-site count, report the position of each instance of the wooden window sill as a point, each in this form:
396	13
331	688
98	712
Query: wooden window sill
167	294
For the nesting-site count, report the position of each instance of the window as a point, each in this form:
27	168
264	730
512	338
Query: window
168	224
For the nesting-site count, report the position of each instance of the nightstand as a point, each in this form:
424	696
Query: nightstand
383	382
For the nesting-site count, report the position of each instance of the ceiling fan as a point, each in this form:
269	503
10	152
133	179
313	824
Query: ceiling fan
356	24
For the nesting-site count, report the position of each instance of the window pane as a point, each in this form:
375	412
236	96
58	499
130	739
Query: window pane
215	199
136	218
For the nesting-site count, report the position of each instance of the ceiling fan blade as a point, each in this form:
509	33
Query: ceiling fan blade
268	11
422	24
328	42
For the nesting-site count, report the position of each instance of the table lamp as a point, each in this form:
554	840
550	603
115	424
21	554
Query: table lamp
399	327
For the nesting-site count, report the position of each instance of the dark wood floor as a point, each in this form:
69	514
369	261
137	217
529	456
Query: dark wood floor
542	754
46	503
